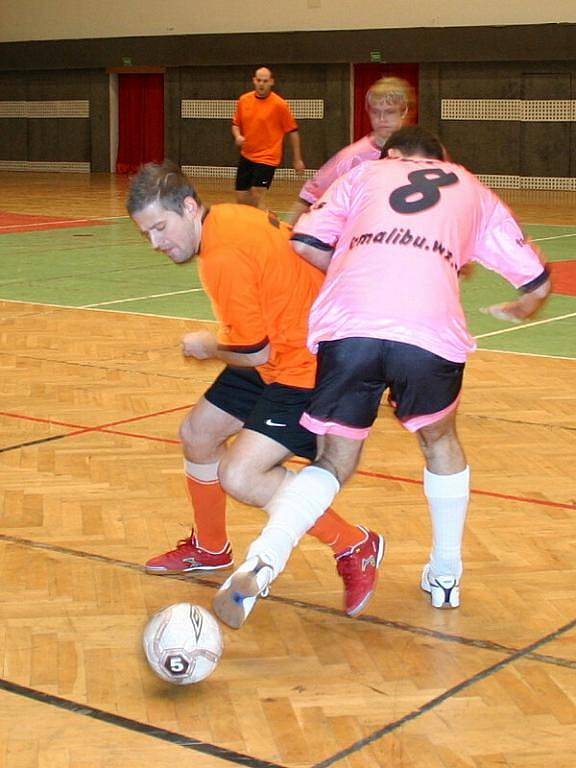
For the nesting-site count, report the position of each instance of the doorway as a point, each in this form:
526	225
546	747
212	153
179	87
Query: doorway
363	76
140	120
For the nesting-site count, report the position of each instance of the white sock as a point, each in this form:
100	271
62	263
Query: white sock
293	509
204	473
447	497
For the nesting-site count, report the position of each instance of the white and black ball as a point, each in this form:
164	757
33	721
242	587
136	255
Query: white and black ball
183	643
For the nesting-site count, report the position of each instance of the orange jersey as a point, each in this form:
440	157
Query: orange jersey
263	123
261	290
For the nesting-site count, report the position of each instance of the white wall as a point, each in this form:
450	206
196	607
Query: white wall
63	19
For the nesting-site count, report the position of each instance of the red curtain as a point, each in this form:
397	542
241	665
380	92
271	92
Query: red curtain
367	74
140	121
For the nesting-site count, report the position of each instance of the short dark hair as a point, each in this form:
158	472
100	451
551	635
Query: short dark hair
163	183
414	140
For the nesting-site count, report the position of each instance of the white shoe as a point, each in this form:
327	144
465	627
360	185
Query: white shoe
444	590
238	595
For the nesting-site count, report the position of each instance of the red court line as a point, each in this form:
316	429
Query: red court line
563	277
146	416
140	437
84	428
24	222
477	492
363	473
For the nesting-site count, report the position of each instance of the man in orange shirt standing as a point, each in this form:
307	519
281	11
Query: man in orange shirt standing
262	293
260	122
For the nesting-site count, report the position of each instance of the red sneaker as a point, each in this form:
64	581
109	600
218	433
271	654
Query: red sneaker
189	556
358	568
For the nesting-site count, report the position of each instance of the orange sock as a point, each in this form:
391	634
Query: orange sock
209	503
334	531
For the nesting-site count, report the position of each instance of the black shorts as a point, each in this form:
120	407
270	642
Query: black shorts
273	410
249	174
353	373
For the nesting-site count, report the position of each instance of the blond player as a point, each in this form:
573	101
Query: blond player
388	104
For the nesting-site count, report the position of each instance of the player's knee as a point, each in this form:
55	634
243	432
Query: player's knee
341	470
235	478
195	442
339	456
441	448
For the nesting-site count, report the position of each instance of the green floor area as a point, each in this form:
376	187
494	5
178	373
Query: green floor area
112	266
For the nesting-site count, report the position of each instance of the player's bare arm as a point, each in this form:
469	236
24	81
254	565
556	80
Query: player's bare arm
203	345
238	137
298	208
523	308
318	256
297	161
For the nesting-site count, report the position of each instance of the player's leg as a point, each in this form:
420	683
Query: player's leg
243	186
262	176
299	501
246	197
258	197
296	506
425	390
447	490
253	475
219	414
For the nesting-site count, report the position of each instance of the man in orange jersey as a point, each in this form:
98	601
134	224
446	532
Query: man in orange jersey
260	122
261	292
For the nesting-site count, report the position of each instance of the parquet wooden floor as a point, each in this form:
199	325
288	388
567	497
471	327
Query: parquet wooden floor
91	486
84	504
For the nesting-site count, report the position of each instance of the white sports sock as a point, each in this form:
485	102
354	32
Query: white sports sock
204	473
293	509
447	497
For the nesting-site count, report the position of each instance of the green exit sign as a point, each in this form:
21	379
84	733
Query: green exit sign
375	56
127	61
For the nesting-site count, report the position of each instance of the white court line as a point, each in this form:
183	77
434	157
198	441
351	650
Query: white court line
524	326
139	298
91	308
553	237
525	354
97	309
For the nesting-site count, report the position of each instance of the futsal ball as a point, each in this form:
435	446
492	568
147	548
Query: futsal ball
183	643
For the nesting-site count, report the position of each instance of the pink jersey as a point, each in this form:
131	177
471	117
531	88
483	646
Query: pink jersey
338	165
401	230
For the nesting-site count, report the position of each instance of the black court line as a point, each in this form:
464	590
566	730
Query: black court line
145	729
519	422
41	440
448	694
95	366
239	758
486	645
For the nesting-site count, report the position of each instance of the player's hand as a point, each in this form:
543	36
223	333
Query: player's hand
239	140
510	312
202	345
299	166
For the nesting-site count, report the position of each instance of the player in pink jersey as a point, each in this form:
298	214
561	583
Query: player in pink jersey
388	102
392	236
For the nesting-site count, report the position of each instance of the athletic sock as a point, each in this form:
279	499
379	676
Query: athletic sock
293	509
336	532
209	503
447	497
